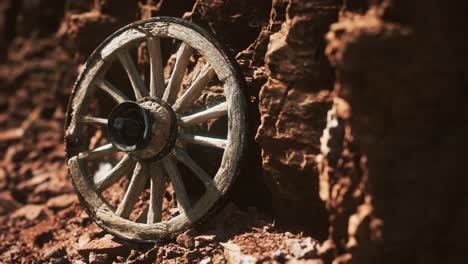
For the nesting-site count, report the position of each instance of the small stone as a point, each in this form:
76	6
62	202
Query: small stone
38	234
294	247
108	236
206	260
303	248
84	215
54	251
120	259
172	254
103	245
61	201
52	188
208	249
204	240
193	255
95	258
233	254
310	248
185	240
30	212
83	240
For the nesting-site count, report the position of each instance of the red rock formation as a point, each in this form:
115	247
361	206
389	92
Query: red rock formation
293	107
398	65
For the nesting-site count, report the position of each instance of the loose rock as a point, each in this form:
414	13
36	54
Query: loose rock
95	258
61	201
185	240
38	234
233	254
104	245
30	212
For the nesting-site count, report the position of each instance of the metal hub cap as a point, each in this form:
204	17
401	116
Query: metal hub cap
146	130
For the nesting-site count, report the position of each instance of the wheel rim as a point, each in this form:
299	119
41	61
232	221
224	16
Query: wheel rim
158	156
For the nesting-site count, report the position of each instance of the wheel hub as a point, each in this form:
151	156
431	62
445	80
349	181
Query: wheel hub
146	130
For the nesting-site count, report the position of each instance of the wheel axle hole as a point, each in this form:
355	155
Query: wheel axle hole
129	127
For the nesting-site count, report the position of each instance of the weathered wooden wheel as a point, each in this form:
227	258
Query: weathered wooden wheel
148	133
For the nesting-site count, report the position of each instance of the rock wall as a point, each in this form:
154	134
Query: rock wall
401	67
293	105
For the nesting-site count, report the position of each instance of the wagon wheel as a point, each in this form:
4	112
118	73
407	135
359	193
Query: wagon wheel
150	130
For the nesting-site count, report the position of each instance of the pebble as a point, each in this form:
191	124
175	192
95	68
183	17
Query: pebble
95	258
103	246
206	260
185	240
29	212
38	234
61	201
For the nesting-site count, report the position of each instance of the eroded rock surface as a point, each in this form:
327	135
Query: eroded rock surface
401	75
293	106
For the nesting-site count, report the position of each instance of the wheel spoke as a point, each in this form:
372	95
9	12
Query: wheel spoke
156	195
204	141
204	116
110	89
119	170
94	120
136	186
133	75
156	68
195	90
98	152
183	157
176	179
182	60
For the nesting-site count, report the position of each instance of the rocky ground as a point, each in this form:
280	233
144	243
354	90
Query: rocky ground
58	230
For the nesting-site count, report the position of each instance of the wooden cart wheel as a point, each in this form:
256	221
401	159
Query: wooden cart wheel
149	131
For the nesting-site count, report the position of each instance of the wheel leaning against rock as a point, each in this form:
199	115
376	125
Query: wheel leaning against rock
151	129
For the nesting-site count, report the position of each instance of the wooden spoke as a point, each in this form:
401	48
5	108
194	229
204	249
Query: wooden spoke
111	90
204	141
182	60
133	75
195	90
119	170
176	179
136	186
204	116
98	152
94	120
156	67
183	157
156	195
